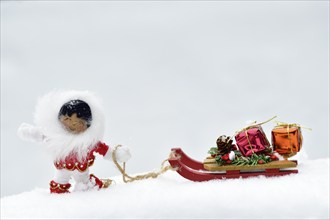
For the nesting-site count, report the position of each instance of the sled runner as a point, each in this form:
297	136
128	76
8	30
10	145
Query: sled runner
209	170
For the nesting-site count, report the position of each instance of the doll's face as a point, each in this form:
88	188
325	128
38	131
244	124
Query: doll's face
73	124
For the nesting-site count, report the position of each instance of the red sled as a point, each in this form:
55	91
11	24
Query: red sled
208	170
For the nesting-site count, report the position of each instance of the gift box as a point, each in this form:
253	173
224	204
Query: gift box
287	139
252	140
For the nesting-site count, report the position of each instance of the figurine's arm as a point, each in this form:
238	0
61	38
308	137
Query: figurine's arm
29	132
122	153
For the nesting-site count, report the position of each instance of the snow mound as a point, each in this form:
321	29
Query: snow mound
297	196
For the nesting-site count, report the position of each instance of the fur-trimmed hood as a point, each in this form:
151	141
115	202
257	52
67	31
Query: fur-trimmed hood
59	141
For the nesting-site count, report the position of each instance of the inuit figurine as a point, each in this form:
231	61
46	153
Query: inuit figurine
71	125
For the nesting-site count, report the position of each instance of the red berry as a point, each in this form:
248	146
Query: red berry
225	157
228	161
261	162
213	155
273	157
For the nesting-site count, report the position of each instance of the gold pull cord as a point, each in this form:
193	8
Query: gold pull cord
127	178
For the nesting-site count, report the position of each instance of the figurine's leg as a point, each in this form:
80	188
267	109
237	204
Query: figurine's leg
60	184
83	181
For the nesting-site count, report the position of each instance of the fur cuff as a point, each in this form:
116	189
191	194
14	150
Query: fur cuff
29	132
122	154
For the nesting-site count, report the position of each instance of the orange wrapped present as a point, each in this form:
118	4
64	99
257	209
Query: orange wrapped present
287	139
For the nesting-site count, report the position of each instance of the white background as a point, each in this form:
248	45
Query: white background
170	74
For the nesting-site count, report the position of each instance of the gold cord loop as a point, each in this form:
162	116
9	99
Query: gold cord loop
255	124
284	124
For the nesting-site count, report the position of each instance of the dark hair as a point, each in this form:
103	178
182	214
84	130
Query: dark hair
79	107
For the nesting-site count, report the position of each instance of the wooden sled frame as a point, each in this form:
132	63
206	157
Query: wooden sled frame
195	171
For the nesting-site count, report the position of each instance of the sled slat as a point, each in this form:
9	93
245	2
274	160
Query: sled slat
209	160
211	165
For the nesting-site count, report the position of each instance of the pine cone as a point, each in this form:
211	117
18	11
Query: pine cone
225	144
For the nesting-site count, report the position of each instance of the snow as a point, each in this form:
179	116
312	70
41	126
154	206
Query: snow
297	196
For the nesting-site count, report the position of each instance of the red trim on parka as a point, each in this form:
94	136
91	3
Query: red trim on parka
71	162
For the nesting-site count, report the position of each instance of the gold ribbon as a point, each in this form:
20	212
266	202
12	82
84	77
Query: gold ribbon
289	137
284	124
247	137
254	124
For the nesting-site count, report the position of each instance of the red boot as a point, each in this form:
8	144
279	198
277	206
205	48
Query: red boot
96	180
59	188
101	183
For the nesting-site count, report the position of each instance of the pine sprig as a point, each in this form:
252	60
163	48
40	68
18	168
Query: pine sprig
213	151
254	159
219	160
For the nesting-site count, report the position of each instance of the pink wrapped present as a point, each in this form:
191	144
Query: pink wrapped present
251	140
